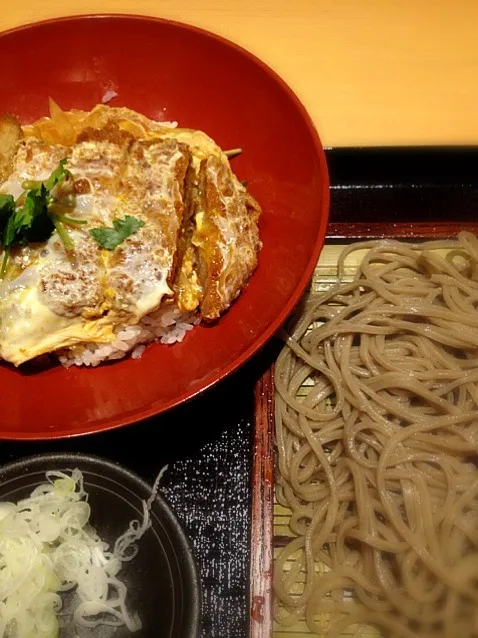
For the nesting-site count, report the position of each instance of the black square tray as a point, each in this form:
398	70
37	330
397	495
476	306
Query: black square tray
208	443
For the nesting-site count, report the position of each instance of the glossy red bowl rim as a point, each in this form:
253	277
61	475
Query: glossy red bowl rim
293	300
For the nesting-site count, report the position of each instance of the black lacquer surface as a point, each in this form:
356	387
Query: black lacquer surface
208	442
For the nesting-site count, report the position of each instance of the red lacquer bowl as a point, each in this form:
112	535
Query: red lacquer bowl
171	71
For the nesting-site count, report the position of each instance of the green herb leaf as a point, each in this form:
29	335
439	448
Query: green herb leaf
7	204
58	176
110	238
31	221
7	208
8	234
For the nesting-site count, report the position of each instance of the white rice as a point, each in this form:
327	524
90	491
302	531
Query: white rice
166	325
108	96
166	124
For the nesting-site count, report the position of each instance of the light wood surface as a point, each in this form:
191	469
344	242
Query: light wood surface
369	71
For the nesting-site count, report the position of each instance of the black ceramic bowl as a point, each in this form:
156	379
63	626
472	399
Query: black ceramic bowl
162	580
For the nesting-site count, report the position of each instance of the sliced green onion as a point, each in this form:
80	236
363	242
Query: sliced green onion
31	184
47	542
62	234
233	152
4	262
69	221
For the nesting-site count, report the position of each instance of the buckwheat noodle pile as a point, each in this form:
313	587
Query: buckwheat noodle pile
378	462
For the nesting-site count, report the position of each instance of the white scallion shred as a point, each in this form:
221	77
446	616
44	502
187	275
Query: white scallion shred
48	546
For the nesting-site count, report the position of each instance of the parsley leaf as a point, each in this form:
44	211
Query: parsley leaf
32	221
7	207
58	176
7	204
110	238
29	222
8	234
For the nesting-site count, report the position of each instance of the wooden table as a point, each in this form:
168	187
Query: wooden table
371	72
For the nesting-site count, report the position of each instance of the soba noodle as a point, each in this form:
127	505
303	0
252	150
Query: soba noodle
377	436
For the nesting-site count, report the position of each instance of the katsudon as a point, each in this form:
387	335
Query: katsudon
115	231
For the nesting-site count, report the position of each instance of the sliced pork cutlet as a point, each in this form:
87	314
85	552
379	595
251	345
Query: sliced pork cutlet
74	283
188	291
98	161
226	237
153	189
10	136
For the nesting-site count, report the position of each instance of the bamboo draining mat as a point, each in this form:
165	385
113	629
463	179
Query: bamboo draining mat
325	276
270	521
419	193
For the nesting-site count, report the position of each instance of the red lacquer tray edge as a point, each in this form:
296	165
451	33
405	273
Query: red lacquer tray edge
262	518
